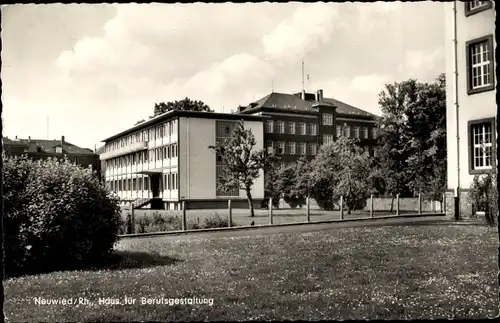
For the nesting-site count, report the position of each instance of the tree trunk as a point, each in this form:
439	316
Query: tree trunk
250	204
392	202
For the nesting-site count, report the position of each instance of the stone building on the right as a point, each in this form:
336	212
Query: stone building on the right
470	99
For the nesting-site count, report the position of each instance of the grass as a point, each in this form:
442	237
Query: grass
391	272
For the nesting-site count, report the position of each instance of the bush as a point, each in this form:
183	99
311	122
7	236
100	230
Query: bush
56	216
483	195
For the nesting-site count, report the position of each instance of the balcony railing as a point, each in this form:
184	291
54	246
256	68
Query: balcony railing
136	146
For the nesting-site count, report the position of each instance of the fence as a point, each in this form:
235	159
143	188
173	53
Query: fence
147	221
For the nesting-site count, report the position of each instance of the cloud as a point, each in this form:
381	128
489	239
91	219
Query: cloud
310	27
423	62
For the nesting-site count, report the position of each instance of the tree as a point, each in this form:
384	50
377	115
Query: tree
57	216
241	162
412	137
286	181
183	105
426	128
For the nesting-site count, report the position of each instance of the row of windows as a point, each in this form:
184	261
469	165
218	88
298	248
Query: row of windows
165	152
292	127
157	132
357	132
167	182
292	148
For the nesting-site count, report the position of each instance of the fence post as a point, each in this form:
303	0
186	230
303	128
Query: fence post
341	207
132	219
271	211
397	204
371	206
443	208
308	215
419	203
230	214
184	226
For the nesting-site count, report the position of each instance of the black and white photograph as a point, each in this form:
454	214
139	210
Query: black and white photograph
259	161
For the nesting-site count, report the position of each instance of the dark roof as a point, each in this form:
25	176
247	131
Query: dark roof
295	103
182	113
42	145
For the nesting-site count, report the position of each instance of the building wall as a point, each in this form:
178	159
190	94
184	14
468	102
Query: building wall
471	107
197	173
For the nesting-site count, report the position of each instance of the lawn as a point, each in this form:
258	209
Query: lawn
391	272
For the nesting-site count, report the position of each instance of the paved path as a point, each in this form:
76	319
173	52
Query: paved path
295	228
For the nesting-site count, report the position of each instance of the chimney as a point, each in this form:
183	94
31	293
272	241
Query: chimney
62	140
29	138
319	96
16	137
303	95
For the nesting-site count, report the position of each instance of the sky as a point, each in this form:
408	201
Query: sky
90	71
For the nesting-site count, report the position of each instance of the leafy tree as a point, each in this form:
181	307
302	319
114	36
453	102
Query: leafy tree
270	189
57	215
426	128
286	183
412	138
184	105
242	162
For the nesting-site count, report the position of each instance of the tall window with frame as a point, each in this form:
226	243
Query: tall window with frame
327	119
291	127
302	148
270	147
281	148
313	131
480	65
365	132
339	131
356	132
481	145
281	127
347	131
291	148
269	126
302	128
327	139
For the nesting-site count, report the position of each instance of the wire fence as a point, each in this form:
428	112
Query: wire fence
149	221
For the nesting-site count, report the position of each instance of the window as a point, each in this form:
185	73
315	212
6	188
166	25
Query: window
281	147
302	148
311	149
339	131
291	148
374	133
270	146
59	150
356	132
327	139
269	126
302	128
281	126
481	145
327	119
291	127
480	71
347	131
312	129
365	132
475	6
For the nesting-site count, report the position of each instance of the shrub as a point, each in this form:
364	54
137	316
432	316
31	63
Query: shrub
216	222
483	195
56	215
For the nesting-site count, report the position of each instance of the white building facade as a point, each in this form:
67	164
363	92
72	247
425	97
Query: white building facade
166	160
471	98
